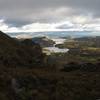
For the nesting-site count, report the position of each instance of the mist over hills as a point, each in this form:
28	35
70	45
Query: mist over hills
56	34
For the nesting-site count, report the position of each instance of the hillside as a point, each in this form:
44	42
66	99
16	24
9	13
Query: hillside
21	78
43	41
14	53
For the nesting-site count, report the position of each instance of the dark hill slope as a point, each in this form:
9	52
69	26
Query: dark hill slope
14	53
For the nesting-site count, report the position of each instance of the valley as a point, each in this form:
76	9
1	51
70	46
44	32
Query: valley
26	73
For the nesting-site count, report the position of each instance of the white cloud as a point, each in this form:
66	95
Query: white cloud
6	28
81	19
37	27
3	26
78	23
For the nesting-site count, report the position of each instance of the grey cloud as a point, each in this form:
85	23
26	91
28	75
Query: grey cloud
27	11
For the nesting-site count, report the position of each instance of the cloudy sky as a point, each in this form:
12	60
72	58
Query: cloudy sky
49	15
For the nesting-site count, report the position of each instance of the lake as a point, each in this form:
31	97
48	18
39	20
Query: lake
49	50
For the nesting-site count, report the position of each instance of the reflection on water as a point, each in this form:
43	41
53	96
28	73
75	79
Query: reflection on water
49	50
55	50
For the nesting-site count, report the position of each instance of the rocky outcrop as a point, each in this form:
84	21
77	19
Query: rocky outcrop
43	41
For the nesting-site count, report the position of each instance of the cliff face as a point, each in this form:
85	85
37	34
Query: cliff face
14	53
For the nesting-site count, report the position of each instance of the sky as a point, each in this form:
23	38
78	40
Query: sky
49	15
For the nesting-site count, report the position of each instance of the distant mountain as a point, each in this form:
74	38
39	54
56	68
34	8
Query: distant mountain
14	53
57	34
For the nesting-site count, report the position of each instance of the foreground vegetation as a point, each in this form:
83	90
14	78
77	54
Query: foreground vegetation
28	74
42	84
